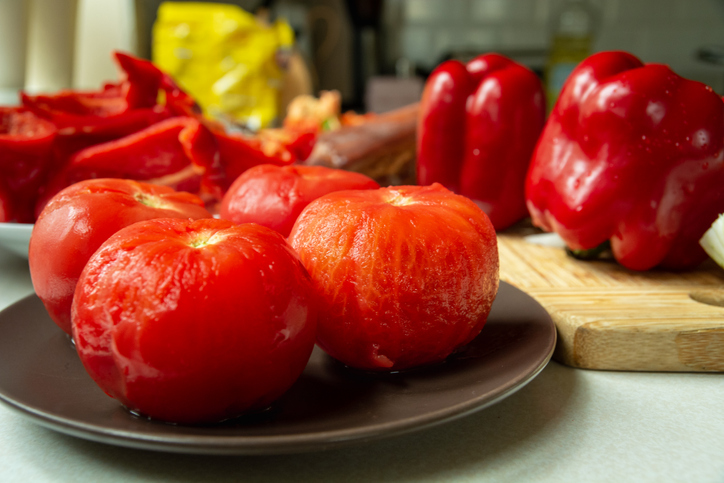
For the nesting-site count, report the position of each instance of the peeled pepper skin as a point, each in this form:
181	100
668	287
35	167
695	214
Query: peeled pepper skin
478	126
631	153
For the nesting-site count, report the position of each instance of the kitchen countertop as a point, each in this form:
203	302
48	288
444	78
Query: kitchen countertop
566	425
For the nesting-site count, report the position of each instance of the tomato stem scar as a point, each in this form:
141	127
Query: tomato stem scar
153	201
398	199
204	239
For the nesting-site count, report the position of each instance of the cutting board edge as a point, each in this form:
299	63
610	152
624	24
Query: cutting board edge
610	318
588	346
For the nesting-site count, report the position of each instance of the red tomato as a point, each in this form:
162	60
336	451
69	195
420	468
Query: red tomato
405	274
81	217
194	321
273	196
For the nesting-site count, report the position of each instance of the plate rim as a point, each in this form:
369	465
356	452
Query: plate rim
280	443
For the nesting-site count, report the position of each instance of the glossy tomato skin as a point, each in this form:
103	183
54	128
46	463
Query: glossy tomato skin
81	217
194	321
273	196
405	274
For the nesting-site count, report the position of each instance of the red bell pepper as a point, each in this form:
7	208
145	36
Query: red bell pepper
25	147
634	154
477	129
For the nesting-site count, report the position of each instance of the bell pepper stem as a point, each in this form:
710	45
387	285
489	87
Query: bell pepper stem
601	252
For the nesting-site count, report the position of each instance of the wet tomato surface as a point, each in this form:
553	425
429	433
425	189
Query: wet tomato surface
273	196
405	274
194	321
81	217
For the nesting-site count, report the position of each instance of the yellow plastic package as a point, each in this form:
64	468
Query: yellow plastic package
227	59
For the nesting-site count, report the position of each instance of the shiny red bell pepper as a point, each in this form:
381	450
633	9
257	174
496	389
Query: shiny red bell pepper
25	147
634	154
478	125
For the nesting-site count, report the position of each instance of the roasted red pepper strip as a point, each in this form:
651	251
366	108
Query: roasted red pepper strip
178	152
477	129
146	128
301	145
239	153
144	83
86	118
102	113
634	154
25	148
117	109
201	147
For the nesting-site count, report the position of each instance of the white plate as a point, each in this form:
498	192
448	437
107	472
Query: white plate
15	237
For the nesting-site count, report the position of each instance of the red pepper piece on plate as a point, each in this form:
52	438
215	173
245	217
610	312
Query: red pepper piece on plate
143	97
239	153
86	118
631	153
477	129
177	152
301	145
177	101
145	82
25	151
101	113
201	147
142	81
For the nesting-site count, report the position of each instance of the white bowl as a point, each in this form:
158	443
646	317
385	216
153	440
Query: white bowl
15	237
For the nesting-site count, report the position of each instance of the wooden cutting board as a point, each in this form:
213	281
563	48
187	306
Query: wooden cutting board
612	318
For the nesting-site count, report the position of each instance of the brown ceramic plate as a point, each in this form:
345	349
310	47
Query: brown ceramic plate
330	406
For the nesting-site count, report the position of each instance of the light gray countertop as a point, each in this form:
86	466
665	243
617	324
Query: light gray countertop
566	425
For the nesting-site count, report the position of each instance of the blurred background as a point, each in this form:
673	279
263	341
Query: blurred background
376	53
